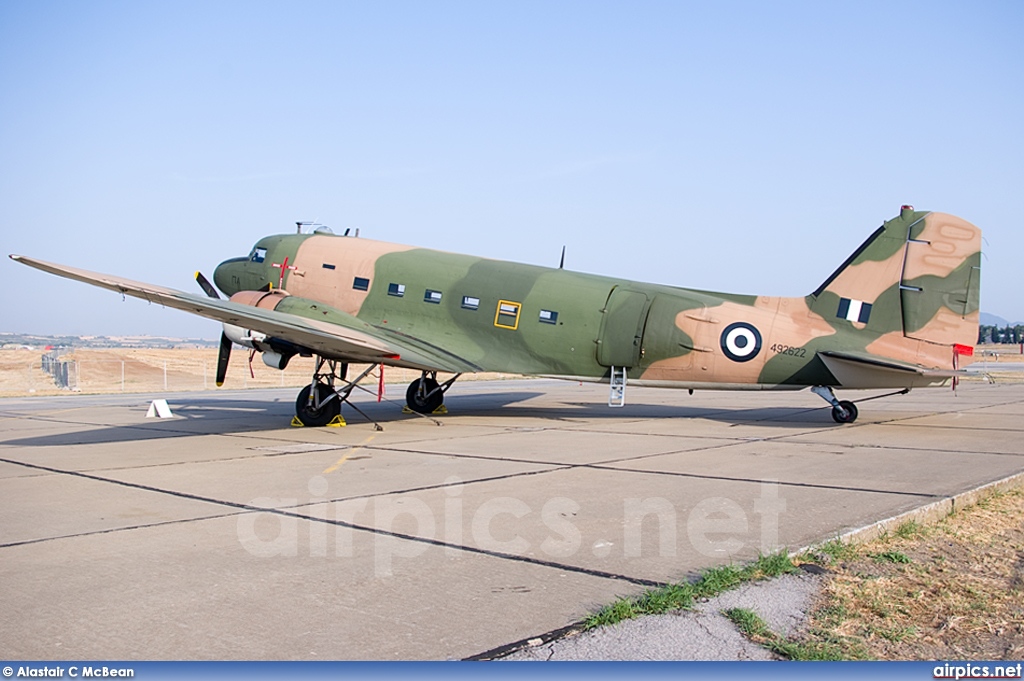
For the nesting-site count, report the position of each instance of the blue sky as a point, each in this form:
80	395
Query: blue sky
744	147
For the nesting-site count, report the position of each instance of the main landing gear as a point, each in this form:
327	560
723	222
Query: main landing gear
425	395
319	403
845	411
842	411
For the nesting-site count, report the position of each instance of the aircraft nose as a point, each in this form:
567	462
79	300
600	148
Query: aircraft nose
228	276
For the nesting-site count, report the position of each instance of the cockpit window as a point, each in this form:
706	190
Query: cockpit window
258	255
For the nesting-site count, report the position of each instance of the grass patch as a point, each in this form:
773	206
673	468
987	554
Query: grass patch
909	530
681	595
756	629
833	551
896	634
747	621
890	557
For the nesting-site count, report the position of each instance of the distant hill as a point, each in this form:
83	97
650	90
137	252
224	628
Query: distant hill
40	341
995	320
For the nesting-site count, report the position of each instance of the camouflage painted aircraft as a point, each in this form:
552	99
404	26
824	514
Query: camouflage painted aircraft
900	313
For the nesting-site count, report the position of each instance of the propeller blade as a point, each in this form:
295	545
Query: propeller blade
561	263
205	284
222	358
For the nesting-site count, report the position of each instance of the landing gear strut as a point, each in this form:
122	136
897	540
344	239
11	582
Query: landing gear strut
319	403
842	411
425	395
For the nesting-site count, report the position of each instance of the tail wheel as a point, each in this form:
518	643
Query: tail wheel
309	413
846	412
423	395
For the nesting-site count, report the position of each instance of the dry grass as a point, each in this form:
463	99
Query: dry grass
998	355
154	370
949	591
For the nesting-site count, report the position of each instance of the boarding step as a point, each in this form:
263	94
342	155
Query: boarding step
617	395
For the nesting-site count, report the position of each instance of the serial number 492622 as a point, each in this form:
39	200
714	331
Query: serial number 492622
780	349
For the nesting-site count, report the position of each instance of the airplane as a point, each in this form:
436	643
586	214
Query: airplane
900	313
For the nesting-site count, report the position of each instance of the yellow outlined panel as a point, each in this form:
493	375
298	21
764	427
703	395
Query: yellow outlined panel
507	314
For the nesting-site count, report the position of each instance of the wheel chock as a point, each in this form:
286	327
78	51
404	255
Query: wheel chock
297	422
337	422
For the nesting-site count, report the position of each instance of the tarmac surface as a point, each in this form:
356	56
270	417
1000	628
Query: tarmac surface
223	533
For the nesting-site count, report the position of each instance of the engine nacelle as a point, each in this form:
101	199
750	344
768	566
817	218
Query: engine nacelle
244	337
275	353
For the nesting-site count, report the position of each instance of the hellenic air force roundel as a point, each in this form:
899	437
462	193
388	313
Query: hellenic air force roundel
741	342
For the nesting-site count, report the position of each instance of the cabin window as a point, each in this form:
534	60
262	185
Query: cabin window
258	255
328	266
470	303
430	296
396	290
361	284
548	317
507	315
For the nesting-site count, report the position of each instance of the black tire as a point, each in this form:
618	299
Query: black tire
420	403
316	417
846	412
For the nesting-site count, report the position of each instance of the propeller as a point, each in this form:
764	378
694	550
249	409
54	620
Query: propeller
207	287
224	354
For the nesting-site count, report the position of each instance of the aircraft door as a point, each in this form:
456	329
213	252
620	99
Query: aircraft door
622	328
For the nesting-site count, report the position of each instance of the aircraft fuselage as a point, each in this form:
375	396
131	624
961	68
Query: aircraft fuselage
525	319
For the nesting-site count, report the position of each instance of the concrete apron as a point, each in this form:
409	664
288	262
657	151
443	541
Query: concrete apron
224	534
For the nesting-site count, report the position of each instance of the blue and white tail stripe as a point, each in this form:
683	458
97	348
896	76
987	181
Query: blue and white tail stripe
854	310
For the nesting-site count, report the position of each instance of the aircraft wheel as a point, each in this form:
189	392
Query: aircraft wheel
846	412
311	416
424	403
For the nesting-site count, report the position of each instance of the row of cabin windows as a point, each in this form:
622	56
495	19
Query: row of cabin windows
506	316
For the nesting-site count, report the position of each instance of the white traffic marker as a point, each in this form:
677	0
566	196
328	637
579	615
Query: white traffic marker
159	409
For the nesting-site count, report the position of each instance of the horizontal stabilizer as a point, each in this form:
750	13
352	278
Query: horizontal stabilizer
865	370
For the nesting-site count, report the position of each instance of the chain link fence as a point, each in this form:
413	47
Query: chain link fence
64	370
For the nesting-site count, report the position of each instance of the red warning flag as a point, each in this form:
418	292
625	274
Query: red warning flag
963	349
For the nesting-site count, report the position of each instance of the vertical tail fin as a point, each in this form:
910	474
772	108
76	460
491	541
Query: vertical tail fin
918	274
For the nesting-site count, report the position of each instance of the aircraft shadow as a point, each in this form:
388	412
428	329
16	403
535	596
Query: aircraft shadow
770	416
227	416
194	416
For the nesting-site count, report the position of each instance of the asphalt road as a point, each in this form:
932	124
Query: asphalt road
223	533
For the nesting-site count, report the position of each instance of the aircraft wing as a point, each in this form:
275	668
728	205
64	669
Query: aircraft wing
352	340
865	370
